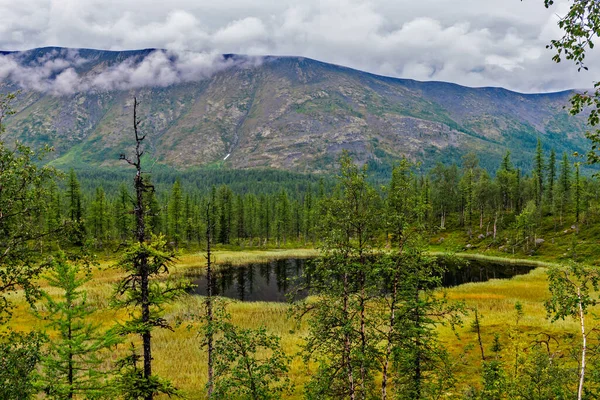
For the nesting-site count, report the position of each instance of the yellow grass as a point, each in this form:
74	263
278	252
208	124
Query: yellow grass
198	260
180	358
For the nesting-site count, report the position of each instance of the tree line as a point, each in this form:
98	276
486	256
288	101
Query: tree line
446	197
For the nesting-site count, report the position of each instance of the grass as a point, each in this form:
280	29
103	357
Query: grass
180	358
233	257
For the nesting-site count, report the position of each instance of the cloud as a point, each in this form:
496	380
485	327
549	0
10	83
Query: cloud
471	42
57	71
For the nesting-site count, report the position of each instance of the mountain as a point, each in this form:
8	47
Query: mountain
289	113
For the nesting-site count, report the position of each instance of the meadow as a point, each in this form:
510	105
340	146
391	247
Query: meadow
179	356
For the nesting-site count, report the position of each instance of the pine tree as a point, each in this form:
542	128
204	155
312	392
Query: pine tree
241	218
577	193
564	185
506	177
188	221
225	210
551	177
99	217
123	220
75	210
282	217
539	172
153	213
71	366
176	222
399	200
54	219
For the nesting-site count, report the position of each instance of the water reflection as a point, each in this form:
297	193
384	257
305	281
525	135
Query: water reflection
461	271
275	280
271	281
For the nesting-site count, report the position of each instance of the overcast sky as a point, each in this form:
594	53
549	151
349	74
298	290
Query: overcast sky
470	42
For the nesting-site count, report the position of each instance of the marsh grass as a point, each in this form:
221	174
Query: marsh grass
179	357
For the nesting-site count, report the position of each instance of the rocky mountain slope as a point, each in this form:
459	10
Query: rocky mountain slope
283	112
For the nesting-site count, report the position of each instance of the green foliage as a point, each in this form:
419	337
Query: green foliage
400	200
176	221
158	259
77	227
248	363
71	366
525	224
20	354
543	377
24	188
99	217
422	366
140	292
341	336
130	382
581	25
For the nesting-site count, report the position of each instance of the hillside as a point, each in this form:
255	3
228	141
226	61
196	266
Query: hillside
288	113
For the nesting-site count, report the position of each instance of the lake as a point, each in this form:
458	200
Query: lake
273	281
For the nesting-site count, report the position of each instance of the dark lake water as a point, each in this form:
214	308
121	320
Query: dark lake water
272	281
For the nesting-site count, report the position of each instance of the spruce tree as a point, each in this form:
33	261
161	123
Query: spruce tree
341	336
145	260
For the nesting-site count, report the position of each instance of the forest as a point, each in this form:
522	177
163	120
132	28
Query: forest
285	210
94	294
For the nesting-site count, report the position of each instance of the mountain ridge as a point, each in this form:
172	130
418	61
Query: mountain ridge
285	112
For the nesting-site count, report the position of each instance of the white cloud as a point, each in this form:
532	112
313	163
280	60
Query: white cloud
57	74
471	42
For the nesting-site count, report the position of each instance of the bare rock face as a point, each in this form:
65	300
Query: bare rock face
289	113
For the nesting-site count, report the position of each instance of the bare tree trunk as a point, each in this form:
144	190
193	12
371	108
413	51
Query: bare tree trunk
478	326
583	346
